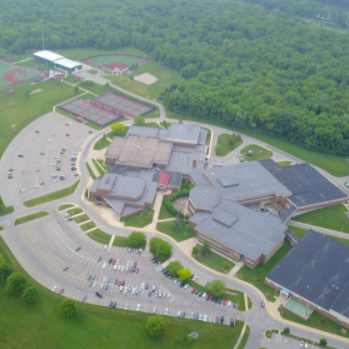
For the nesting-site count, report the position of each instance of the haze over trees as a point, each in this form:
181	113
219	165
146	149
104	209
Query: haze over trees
247	66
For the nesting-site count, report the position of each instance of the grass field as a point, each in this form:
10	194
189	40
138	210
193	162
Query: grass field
90	171
152	124
213	260
98	168
249	303
19	110
30	217
110	135
284	163
82	218
332	217
4	210
100	236
120	241
64	207
180	235
75	211
92	71
87	226
224	140
104	166
258	153
59	194
94	325
244	338
101	144
164	212
256	276
165	125
140	219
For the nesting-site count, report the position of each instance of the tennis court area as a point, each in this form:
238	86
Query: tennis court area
298	308
105	109
16	75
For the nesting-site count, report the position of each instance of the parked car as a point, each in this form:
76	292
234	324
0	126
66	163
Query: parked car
217	319
262	304
54	288
193	290
232	323
61	290
99	295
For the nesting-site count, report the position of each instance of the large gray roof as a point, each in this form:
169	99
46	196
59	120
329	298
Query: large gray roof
128	187
247	231
307	185
316	269
183	132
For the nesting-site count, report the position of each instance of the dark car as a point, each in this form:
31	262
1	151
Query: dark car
114	305
106	287
20	155
89	278
216	300
234	304
10	177
116	281
123	283
212	298
191	276
37	131
262	304
200	293
149	293
73	168
10	170
90	132
78	249
232	323
64	149
207	283
65	268
151	259
197	291
84	298
222	319
70	219
220	300
76	174
99	295
182	284
99	259
110	260
67	134
146	286
42	153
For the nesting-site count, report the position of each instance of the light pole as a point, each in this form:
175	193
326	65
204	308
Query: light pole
42	34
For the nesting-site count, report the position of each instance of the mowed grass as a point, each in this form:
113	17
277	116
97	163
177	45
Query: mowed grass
164	212
284	163
75	211
93	71
19	110
140	219
182	234
90	171
165	125
120	241
213	260
258	153
4	210
103	165
332	217
98	168
87	226
64	207
59	194
224	140
244	338
34	326
82	218
30	217
102	143
256	276
100	236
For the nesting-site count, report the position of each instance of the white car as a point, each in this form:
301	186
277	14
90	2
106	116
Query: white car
205	317
54	156
94	284
301	344
154	311
117	262
175	281
115	267
105	279
122	268
36	186
133	290
229	303
204	295
125	289
195	278
102	286
56	180
54	288
166	311
49	140
126	306
179	313
121	288
186	286
22	191
142	285
105	247
305	345
52	164
104	265
138	307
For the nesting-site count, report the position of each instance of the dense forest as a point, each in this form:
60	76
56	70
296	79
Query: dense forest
245	65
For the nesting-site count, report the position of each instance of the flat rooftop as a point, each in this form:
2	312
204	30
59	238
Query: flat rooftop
316	269
67	63
51	56
139	151
247	231
183	133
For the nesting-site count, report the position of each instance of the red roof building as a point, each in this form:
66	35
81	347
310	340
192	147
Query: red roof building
163	181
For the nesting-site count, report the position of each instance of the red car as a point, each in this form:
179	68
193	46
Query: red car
217	319
224	302
113	262
70	219
37	170
61	291
137	270
155	261
62	152
193	290
119	283
208	297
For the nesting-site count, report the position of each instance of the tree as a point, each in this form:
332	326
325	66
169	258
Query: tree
76	89
206	249
30	295
1	259
15	283
323	341
161	249
138	120
287	330
184	274
117	127
225	266
174	267
5	272
216	288
176	225
68	307
137	239
219	149
195	251
156	325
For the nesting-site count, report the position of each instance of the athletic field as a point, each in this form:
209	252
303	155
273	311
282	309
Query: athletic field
12	75
111	62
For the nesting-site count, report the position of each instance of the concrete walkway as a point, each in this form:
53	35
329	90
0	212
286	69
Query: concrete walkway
112	240
241	335
237	267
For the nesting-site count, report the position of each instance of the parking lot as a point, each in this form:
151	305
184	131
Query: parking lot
279	341
50	245
32	173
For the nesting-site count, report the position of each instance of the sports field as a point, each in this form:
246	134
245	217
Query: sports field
10	75
114	61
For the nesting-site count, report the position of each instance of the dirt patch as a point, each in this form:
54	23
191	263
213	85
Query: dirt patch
146	78
36	91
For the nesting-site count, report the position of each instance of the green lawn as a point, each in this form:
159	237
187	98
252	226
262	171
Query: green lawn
100	236
208	139
4	210
120	241
102	143
64	207
90	171
152	124
94	324
244	338
164	212
256	276
165	125
101	162
98	168
249	303
87	226
140	219
59	194
258	153
269	333
92	71
213	260
19	110
317	321
75	211
332	217
1	228
122	134
224	140
82	218
30	217
284	163
180	235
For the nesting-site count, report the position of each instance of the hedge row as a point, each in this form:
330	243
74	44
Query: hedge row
172	197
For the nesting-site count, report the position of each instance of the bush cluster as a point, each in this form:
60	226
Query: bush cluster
172	197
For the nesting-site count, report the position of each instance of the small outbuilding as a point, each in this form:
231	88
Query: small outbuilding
163	181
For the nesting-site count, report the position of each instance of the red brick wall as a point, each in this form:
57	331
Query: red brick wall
316	207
